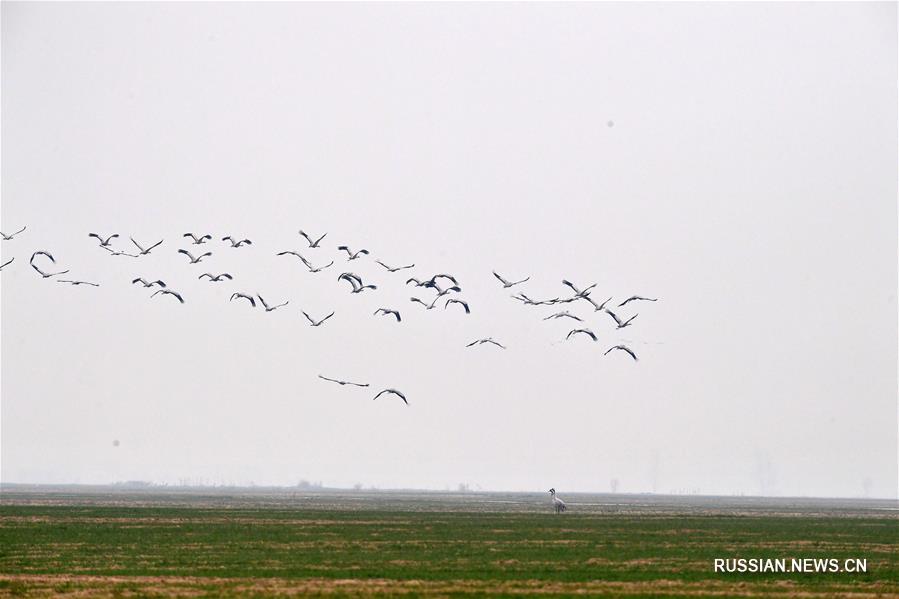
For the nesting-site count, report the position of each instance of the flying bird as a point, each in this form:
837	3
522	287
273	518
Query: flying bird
447	277
617	320
425	304
596	307
198	240
531	302
565	314
103	242
7	263
144	252
442	292
339	382
355	281
306	262
270	308
249	298
216	278
587	332
9	237
118	252
235	243
394	392
386	311
75	283
145	283
578	292
39	271
394	268
638	298
352	255
453	300
623	348
507	284
193	259
317	323
175	294
486	340
312	244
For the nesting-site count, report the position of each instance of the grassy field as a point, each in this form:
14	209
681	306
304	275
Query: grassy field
214	545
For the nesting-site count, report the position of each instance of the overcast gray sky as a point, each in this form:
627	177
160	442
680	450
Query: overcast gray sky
749	182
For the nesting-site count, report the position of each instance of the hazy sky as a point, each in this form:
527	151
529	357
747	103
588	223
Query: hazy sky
749	182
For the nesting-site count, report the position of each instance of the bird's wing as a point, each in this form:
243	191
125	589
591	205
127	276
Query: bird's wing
136	244
384	265
205	274
309	318
614	316
139	280
501	280
327	317
191	235
20	230
155	244
188	254
309	241
316	242
629	319
159	282
226	275
262	301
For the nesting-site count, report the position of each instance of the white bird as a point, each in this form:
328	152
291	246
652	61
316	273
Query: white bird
235	243
531	302
216	278
355	281
394	392
386	311
306	262
249	298
198	240
270	308
578	292
118	252
75	283
144	252
394	268
623	348
194	259
507	284
352	255
618	321
7	263
339	382
9	237
565	314
425	304
638	298
453	300
169	292
103	242
486	340
596	307
39	271
558	504
587	332
145	283
312	244
317	323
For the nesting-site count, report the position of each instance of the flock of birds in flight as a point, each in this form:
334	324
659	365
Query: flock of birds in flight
442	285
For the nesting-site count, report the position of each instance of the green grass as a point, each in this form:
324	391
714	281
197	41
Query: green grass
57	549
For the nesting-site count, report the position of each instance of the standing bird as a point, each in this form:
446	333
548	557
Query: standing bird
312	244
147	284
75	283
339	382
386	311
103	242
623	348
9	237
507	284
216	278
169	292
394	268
565	314
394	392
7	263
453	300
235	243
317	323
638	298
194	260
486	340
39	271
617	320
558	504
352	255
198	240
270	308
249	298
144	252
587	332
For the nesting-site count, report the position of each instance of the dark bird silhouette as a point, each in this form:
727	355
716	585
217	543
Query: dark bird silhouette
198	240
386	311
486	340
355	281
7	263
578	292
394	268
442	292
587	332
144	251
270	308
236	244
507	284
306	262
339	382
394	392
249	298
531	302
443	276
103	242
193	259
118	252
565	314
174	294
145	283
623	348
9	237
45	275
462	303
216	278
312	244
617	320
75	283
425	304
352	255
638	298
596	307
317	323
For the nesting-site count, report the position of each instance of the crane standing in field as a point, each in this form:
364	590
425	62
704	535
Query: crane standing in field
558	504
